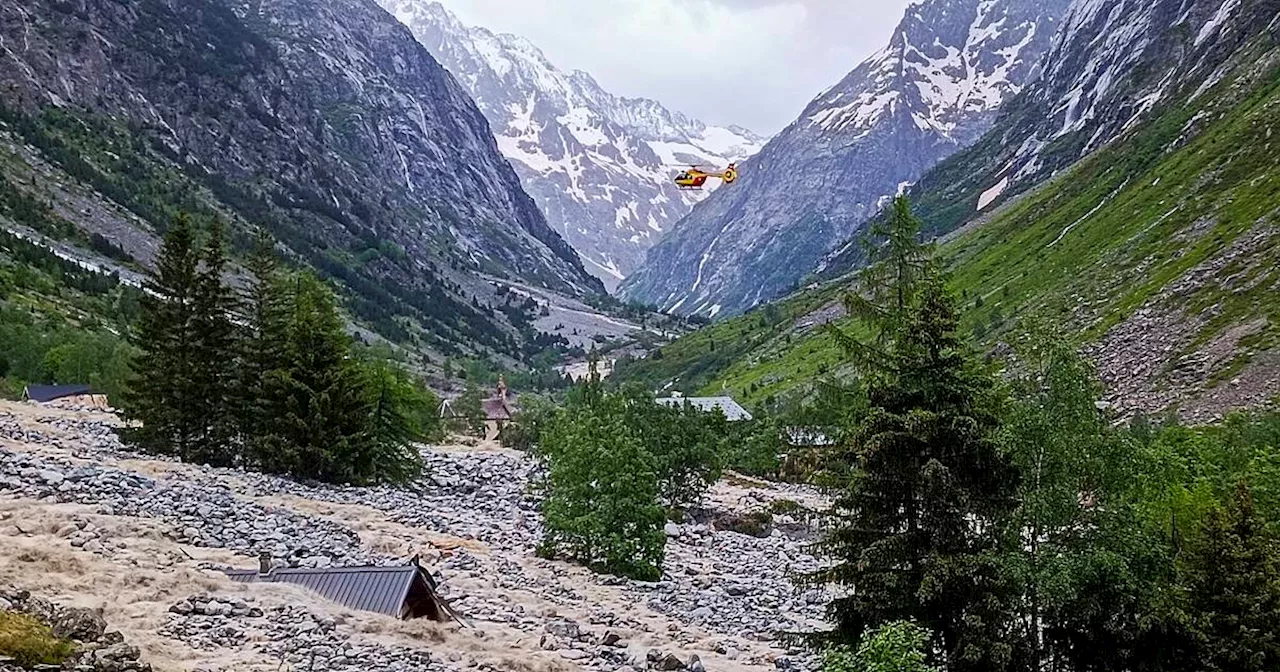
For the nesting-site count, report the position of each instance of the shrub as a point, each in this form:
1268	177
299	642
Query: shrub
895	647
785	507
30	642
602	492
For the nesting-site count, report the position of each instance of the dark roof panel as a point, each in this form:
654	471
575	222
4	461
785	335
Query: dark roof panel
44	393
378	589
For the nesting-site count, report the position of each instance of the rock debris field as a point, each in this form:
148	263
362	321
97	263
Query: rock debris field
87	524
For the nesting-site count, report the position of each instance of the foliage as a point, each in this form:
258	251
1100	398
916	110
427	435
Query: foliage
926	483
468	416
184	345
686	443
286	394
30	642
331	423
1232	578
524	433
60	323
899	646
601	505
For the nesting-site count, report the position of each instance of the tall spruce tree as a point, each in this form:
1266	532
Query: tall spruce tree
165	416
263	356
916	524
181	388
215	355
319	396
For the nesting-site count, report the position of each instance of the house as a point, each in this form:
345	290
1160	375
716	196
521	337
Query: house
404	592
71	394
731	409
497	411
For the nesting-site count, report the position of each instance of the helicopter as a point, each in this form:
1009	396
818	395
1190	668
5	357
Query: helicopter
695	177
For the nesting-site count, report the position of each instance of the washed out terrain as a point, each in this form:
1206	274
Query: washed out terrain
85	523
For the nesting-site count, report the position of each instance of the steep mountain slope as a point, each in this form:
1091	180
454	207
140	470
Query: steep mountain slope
933	90
598	165
324	122
1160	251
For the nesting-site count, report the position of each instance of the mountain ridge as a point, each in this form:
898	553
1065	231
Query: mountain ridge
599	165
933	89
325	123
1157	253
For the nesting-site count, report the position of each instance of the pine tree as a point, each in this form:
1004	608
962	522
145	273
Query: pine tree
926	489
319	395
393	426
162	395
215	354
1233	579
898	263
263	354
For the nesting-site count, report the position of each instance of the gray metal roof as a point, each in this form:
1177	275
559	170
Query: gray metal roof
43	393
731	409
378	589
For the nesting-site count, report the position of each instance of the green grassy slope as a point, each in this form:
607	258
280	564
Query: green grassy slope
1178	217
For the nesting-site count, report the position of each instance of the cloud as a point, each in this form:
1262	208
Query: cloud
750	62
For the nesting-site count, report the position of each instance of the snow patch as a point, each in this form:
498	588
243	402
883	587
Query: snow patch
989	196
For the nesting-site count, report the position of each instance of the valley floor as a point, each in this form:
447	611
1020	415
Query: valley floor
85	523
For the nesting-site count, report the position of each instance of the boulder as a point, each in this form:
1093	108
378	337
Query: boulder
84	625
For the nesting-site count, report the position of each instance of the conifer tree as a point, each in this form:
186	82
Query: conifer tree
392	425
319	396
263	353
183	379
1233	581
897	265
215	355
927	488
160	395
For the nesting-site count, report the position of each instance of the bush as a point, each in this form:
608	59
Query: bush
895	647
30	642
602	491
785	507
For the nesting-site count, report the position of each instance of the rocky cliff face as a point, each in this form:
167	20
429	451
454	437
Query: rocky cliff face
932	91
323	121
1109	68
598	165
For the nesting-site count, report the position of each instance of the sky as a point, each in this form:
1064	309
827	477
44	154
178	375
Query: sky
755	63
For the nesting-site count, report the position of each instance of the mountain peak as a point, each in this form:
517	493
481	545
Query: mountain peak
933	89
598	164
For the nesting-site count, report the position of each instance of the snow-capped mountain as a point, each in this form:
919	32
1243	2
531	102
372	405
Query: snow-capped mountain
1114	61
599	165
1110	65
933	90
